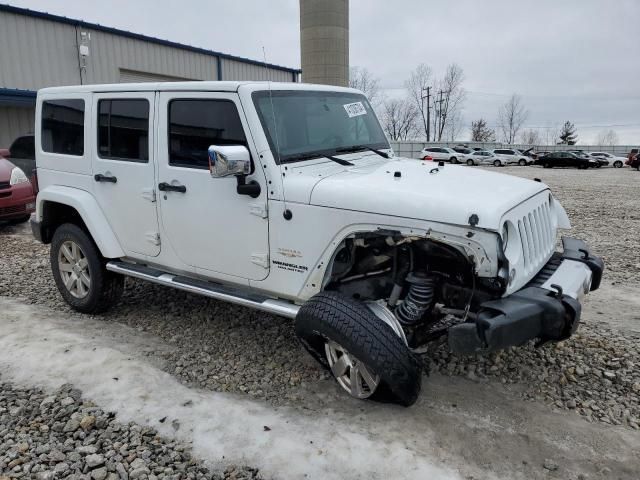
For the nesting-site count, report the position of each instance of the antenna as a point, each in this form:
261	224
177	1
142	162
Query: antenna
286	213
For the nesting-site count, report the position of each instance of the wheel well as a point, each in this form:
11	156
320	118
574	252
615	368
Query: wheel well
55	214
366	266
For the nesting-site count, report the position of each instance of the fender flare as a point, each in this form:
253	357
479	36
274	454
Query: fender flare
90	212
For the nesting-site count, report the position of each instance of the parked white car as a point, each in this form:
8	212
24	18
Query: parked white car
482	157
508	156
288	199
614	161
442	154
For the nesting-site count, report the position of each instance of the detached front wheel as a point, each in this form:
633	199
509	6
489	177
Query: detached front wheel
366	357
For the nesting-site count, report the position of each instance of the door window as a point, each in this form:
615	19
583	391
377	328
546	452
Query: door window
123	129
63	126
195	124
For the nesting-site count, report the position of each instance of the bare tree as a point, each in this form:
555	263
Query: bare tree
420	84
551	134
399	119
367	83
480	132
449	99
511	116
454	127
530	137
608	138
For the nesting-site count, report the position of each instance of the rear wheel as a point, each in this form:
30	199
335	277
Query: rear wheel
79	271
366	357
547	165
497	163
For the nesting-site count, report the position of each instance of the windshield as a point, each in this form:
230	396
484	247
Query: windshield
305	123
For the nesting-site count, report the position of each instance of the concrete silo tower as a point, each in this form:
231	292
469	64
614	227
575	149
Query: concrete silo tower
324	41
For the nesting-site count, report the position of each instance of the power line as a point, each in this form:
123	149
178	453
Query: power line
545	127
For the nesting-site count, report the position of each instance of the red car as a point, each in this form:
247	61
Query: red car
17	196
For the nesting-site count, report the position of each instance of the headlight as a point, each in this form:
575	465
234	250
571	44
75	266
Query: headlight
17	176
505	237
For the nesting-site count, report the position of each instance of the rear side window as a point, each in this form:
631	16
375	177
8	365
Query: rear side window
63	126
123	129
196	124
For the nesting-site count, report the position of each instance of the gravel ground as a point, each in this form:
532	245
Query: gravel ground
227	348
47	437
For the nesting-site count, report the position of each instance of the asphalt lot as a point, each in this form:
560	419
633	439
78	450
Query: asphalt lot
564	411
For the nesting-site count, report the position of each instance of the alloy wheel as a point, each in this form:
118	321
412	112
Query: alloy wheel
74	269
352	375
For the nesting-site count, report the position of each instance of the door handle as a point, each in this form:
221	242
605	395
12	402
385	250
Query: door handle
167	187
98	177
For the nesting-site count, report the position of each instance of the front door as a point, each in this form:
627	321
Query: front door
207	223
123	168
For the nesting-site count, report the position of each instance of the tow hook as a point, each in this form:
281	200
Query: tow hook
558	291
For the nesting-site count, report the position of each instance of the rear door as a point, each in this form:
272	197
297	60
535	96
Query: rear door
124	168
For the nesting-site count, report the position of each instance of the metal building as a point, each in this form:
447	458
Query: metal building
42	50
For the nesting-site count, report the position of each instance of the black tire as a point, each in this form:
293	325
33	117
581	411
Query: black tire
522	162
617	164
333	316
497	163
453	160
547	165
470	163
106	287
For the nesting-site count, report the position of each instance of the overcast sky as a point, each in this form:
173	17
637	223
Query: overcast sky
575	60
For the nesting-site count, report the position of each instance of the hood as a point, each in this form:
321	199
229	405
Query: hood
406	188
5	169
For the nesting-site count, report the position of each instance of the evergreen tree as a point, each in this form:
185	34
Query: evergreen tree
568	134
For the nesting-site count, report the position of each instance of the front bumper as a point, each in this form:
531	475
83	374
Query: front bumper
17	201
547	309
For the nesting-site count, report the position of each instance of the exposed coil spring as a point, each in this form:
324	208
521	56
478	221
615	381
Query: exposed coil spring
418	301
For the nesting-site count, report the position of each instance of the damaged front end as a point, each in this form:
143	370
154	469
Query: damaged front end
547	309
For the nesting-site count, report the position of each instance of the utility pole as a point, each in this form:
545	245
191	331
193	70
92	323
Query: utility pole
439	116
428	97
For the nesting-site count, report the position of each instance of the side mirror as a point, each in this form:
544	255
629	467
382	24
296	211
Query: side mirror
227	160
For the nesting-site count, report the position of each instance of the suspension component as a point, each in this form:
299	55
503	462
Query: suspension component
418	301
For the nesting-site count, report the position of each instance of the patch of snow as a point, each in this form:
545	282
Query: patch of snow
44	349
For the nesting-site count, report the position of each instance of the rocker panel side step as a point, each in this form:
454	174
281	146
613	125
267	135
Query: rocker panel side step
207	289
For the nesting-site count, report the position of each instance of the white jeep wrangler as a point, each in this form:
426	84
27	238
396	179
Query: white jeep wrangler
287	198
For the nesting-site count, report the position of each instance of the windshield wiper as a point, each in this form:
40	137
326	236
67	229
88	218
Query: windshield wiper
320	155
359	148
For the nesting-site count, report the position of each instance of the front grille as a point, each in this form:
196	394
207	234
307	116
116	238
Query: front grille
547	271
538	236
12	210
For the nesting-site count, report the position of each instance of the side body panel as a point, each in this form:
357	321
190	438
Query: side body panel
301	248
85	204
